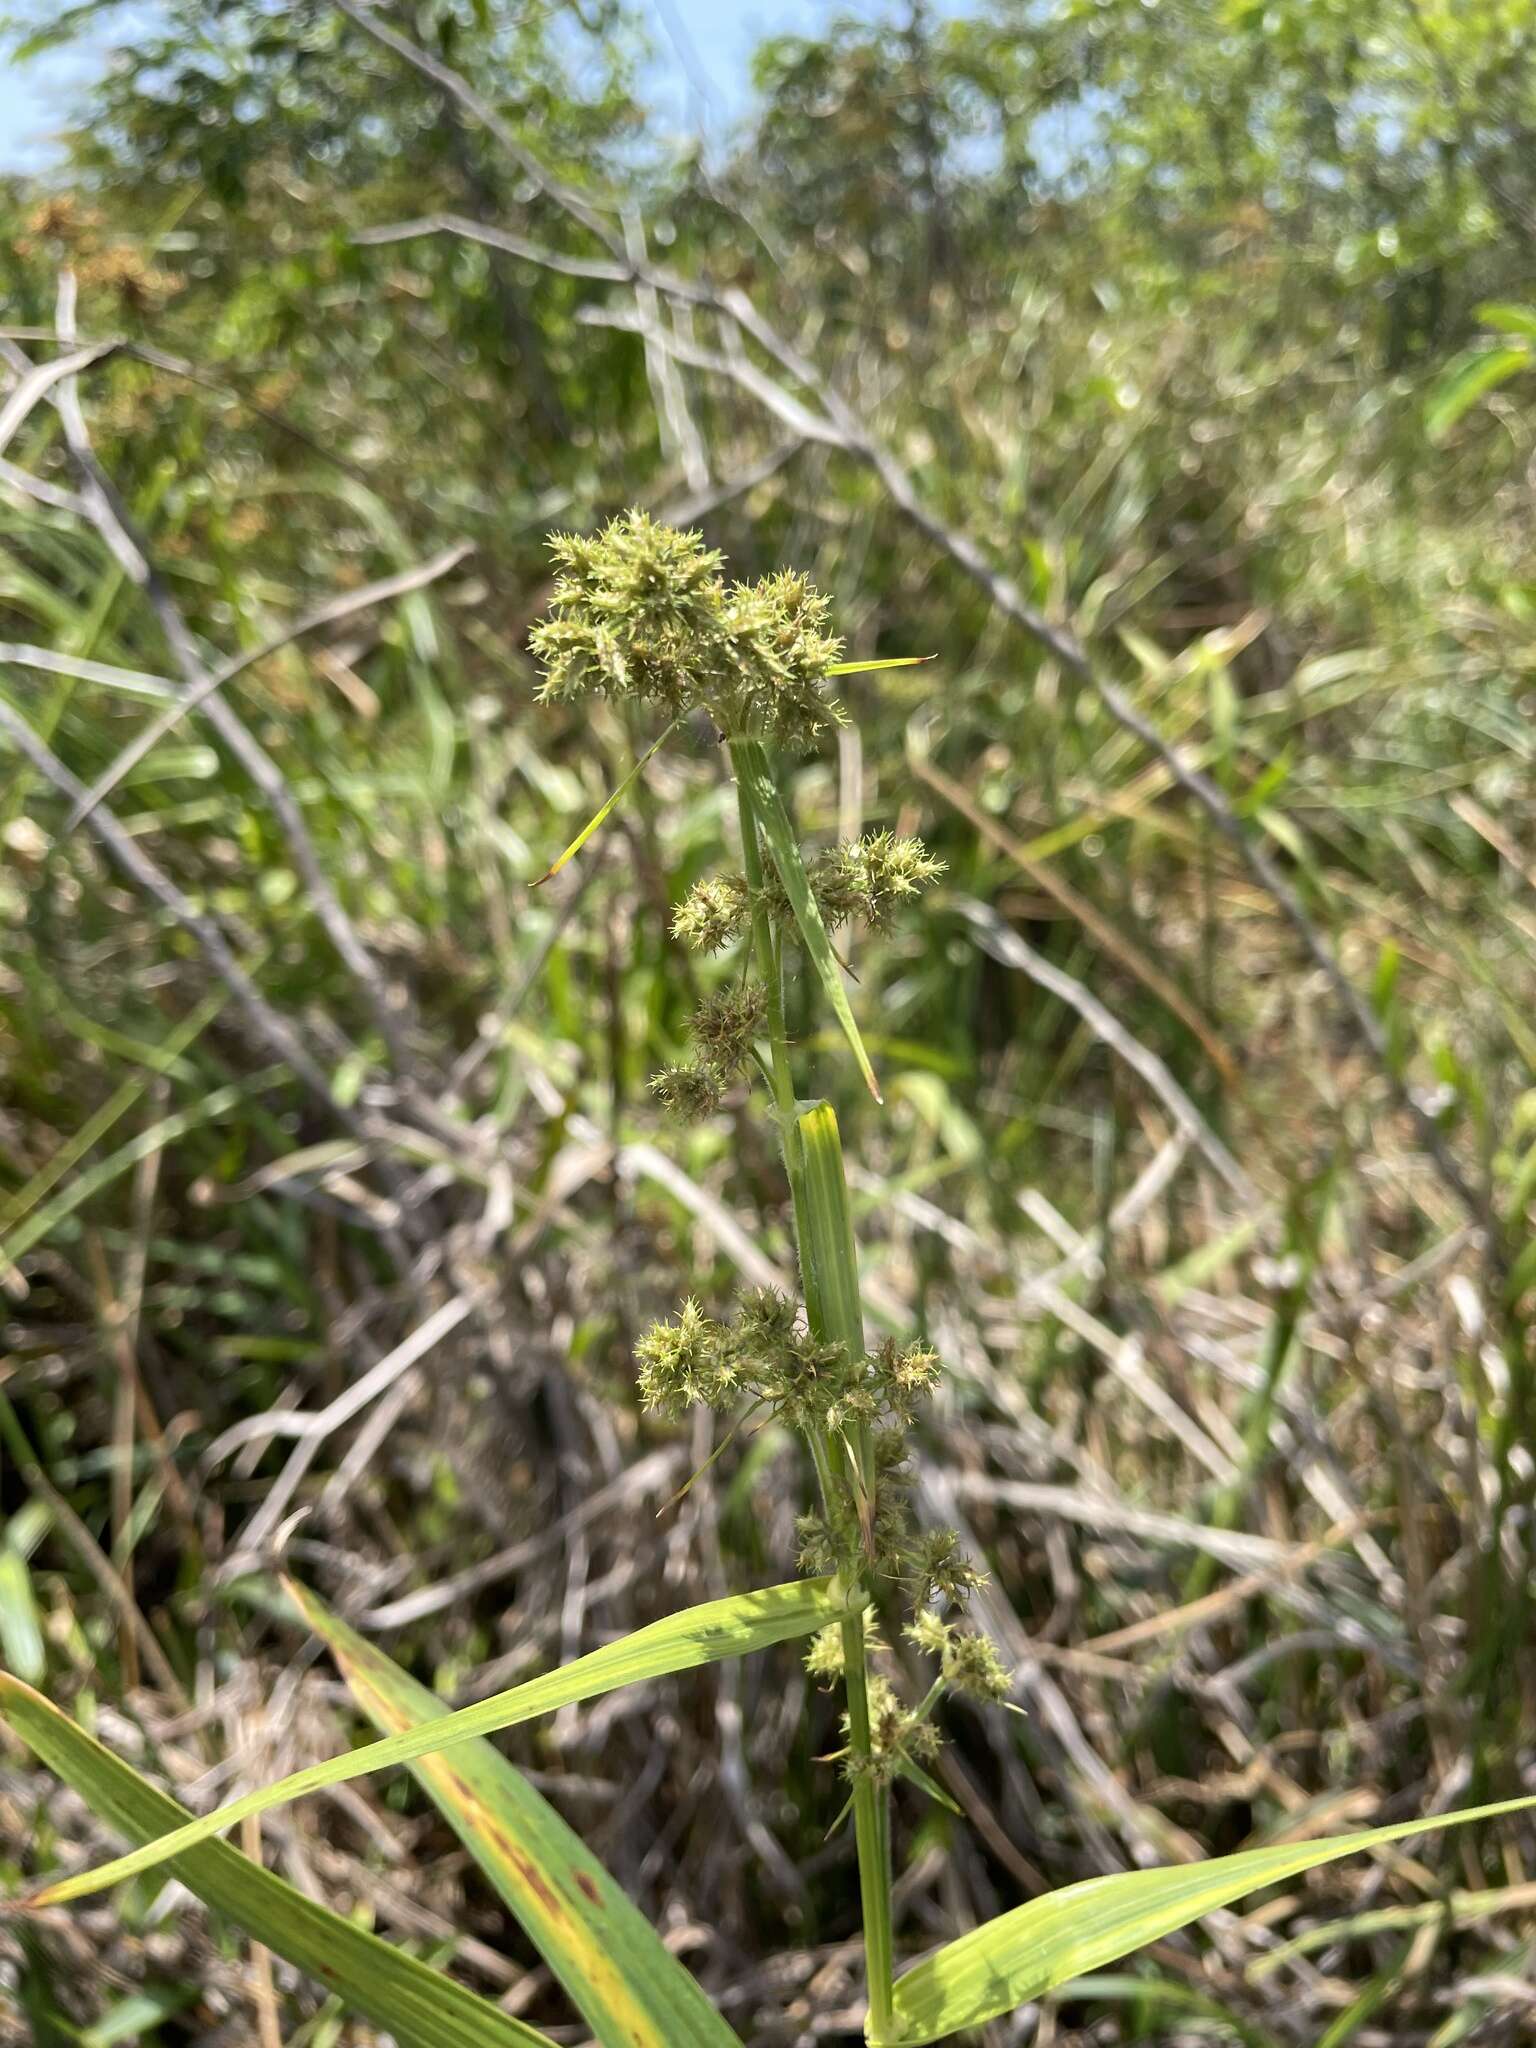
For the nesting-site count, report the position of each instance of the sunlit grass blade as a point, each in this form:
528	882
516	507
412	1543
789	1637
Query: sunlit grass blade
417	2006
628	1986
828	1251
752	770
32	1229
602	812
1471	376
860	668
1509	319
1148	1995
699	1635
830	1266
21	1626
1067	1933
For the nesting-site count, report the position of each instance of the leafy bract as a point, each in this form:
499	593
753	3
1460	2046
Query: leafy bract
1066	1933
623	1979
699	1635
418	2006
750	761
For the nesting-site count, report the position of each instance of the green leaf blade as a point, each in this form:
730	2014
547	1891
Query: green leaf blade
751	765
628	1986
731	1627
1509	319
1470	377
21	1626
419	2006
827	1243
863	668
608	805
1069	1933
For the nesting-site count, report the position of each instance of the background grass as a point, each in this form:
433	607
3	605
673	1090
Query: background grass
1240	1400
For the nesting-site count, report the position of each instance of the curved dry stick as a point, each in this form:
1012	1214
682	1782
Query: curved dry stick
1004	944
105	510
37	380
196	696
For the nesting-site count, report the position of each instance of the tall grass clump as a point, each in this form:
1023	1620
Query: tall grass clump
645	614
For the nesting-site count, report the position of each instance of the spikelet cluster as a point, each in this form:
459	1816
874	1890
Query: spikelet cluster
766	1352
641	610
904	1740
898	1736
871	879
724	1029
968	1662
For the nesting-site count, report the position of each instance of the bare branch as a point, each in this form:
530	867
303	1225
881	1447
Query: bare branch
671	401
341	607
496	238
740	370
1003	943
35	382
447	80
108	514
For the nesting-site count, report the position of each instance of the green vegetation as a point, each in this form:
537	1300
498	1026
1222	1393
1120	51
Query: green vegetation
1102	806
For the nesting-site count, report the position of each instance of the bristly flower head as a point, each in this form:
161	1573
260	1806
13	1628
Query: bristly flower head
714	913
691	1091
723	1029
681	1365
640	610
897	1737
872	878
631	608
725	1025
942	1570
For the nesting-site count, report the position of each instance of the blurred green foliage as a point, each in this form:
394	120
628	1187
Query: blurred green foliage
1208	322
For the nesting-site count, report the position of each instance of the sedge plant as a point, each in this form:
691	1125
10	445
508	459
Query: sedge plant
643	613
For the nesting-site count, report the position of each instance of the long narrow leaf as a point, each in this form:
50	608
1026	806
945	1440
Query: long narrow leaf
155	1138
862	668
1470	377
751	765
598	816
827	1246
1509	319
623	1979
699	1635
418	2006
1067	1933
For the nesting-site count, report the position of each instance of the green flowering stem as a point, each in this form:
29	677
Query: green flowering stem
641	612
813	1157
749	761
765	952
830	1272
872	1835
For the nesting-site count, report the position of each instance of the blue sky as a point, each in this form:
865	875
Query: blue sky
717	38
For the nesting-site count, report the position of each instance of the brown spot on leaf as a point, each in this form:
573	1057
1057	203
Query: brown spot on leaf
537	1883
587	1888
